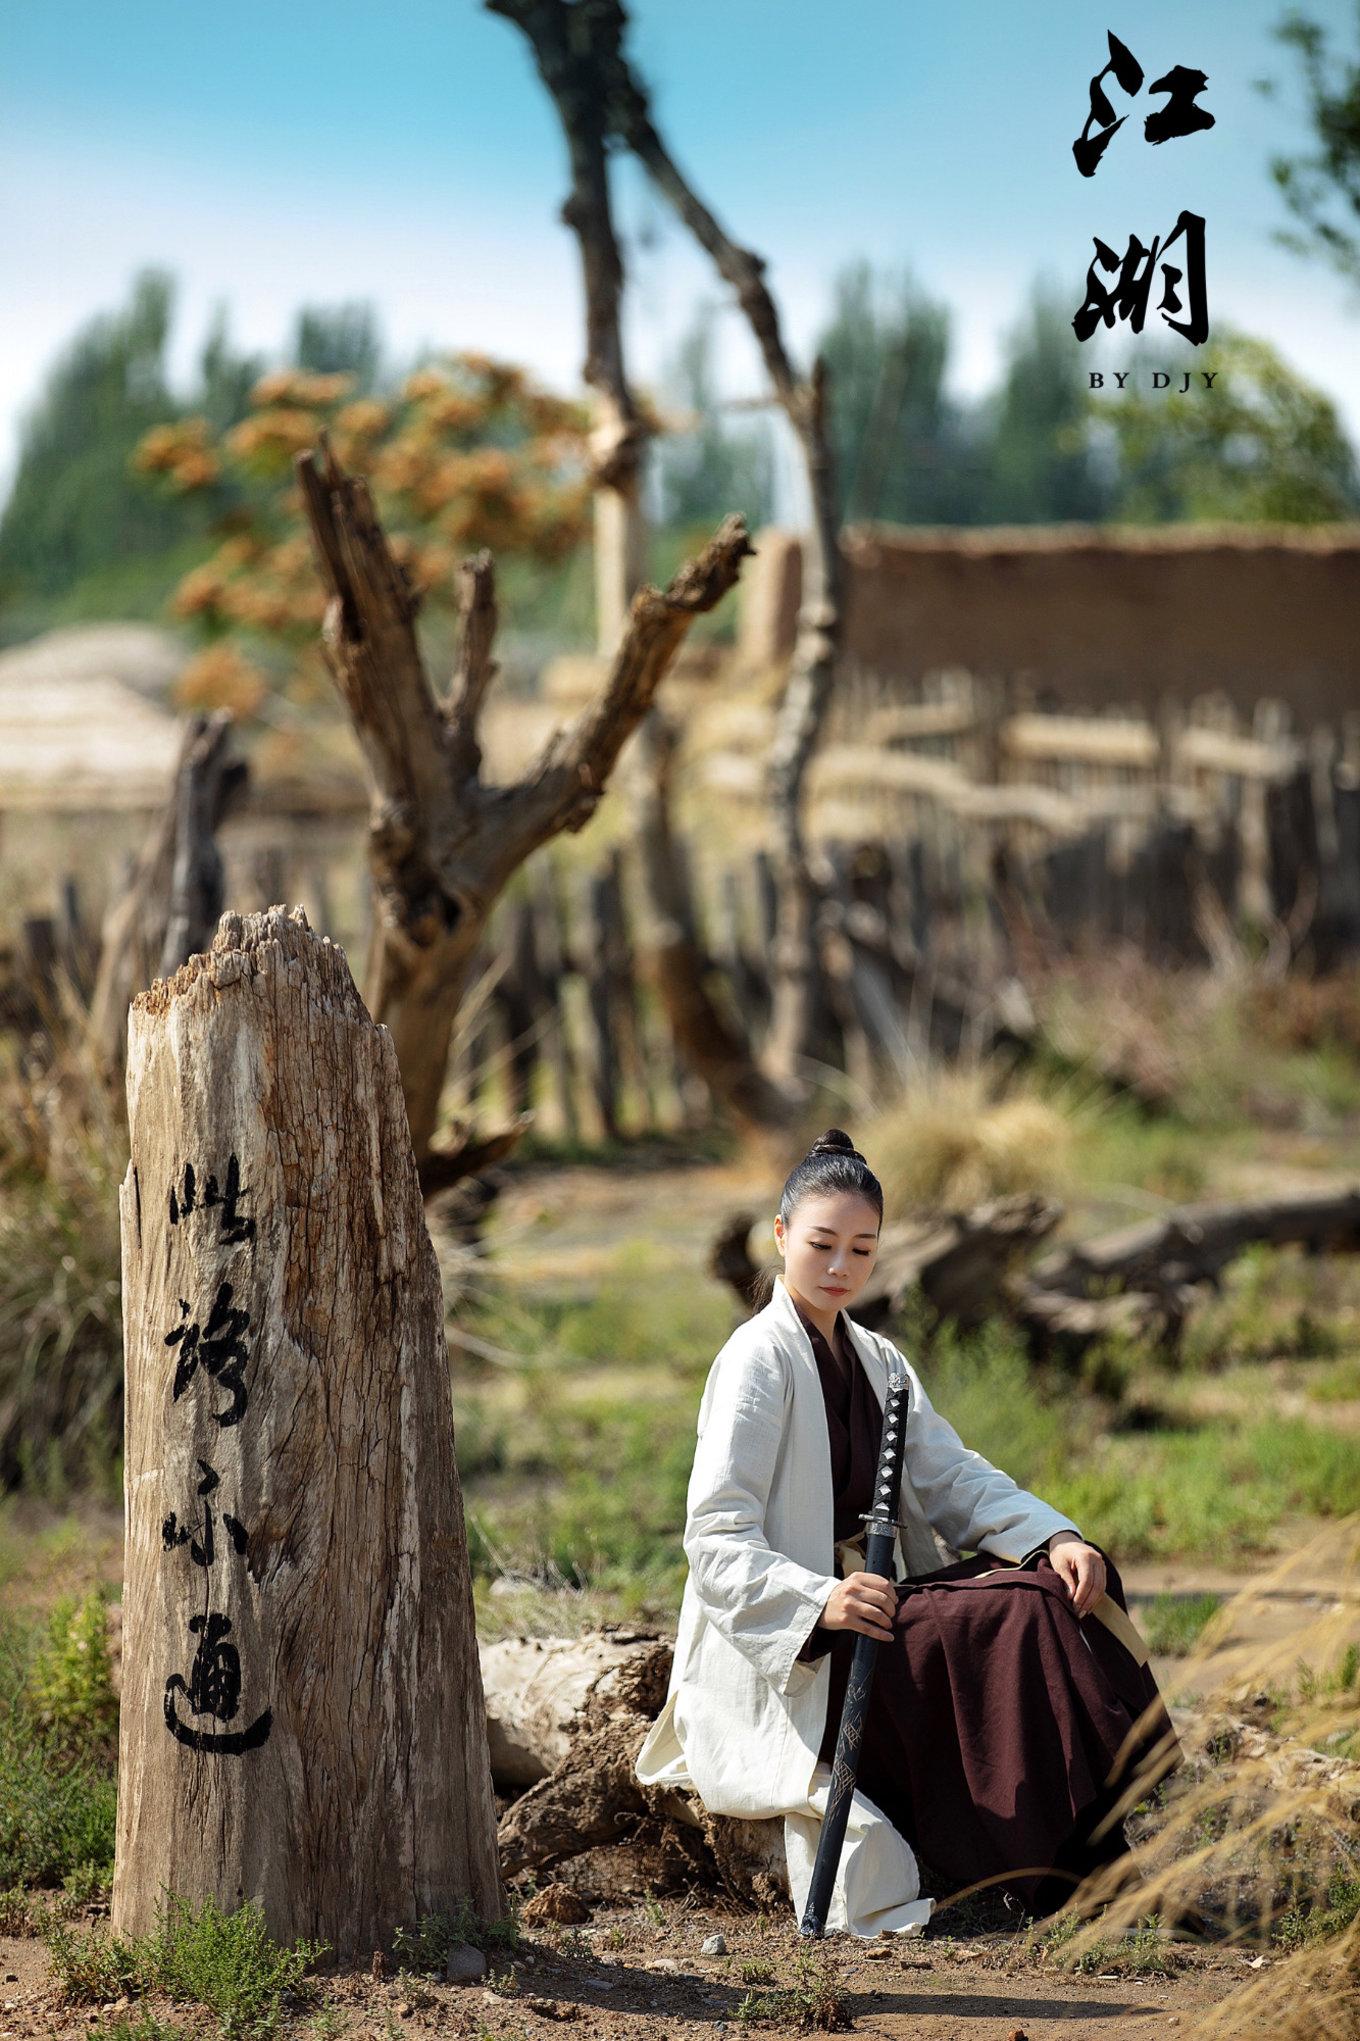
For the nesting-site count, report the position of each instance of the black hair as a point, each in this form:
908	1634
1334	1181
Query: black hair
833	1163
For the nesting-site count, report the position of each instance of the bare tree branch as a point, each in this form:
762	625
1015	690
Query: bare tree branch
575	48
476	669
442	843
370	638
562	791
813	672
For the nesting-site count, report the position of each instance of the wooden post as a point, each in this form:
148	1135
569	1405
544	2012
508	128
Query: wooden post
302	1712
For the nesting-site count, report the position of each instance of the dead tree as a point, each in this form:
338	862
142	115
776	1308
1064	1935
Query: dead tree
572	46
579	48
442	841
711	1037
172	901
302	1721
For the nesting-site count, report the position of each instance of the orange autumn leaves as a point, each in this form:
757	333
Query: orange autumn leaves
468	452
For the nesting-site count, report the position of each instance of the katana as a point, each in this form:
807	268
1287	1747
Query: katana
880	1524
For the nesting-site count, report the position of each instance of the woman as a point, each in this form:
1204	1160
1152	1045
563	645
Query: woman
1004	1723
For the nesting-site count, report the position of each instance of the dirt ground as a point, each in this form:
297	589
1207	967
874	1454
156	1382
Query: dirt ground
626	1973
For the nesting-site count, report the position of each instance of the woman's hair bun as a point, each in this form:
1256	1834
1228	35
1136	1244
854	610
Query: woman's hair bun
835	1141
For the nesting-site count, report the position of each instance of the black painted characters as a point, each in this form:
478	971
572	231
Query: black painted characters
186	1197
219	1347
216	1344
1119	288
1180	116
213	1688
200	1537
1134	274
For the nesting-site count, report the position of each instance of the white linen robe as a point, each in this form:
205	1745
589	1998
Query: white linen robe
744	1716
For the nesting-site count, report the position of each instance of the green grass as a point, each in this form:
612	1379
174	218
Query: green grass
1142	1952
68	1694
576	1457
91	1967
425	1947
228	1963
812	2003
1331	1915
57	1782
1172	1624
139	2026
224	1962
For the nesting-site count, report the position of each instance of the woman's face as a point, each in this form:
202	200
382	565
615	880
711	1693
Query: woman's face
829	1248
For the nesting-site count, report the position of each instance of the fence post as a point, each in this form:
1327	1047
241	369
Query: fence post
302	1714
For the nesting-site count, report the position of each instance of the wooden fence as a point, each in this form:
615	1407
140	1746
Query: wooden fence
965	836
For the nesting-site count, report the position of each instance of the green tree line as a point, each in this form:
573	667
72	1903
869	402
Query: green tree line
84	534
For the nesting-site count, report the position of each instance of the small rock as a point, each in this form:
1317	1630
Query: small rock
555	1903
406	2011
714	1945
1017	2034
551	2009
11	1977
877	1955
465	1964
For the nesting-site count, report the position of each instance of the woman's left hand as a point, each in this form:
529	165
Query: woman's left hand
1081	1566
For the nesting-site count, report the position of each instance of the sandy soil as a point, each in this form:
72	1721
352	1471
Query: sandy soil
625	1974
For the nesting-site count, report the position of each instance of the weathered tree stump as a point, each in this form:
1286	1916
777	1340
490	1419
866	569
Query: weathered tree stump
302	1712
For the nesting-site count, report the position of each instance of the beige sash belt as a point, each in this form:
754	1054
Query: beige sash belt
850	1559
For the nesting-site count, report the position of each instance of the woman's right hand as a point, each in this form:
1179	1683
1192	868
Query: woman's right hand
862	1601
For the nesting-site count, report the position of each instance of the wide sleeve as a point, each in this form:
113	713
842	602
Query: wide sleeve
763	1602
972	1504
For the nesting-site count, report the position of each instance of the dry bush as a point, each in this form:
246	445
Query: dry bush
1295	1012
63	1152
1259	1833
951	1141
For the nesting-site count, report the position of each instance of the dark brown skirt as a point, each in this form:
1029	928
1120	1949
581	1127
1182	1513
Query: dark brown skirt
1001	1727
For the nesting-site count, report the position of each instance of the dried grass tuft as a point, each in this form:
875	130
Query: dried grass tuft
1257	1837
949	1141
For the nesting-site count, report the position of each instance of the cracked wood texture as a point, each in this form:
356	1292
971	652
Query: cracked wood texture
303	1720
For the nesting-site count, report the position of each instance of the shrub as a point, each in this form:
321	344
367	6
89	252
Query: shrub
70	1697
228	1962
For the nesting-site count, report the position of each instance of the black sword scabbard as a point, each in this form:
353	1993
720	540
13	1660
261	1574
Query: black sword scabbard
880	1524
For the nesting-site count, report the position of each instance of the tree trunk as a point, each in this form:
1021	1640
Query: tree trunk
302	1712
713	1045
173	898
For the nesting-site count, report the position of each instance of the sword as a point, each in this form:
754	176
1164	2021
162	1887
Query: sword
880	1522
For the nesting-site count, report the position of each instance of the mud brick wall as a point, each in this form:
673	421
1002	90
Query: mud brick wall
1093	617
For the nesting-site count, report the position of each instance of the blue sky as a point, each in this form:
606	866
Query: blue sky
273	155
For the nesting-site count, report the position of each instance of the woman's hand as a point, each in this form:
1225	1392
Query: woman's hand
1080	1565
864	1602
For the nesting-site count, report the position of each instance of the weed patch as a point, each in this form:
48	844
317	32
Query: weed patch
426	1946
228	1963
812	2003
1172	1623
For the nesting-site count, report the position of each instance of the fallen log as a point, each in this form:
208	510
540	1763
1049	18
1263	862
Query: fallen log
568	1716
959	1261
1140	1282
1194	1244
